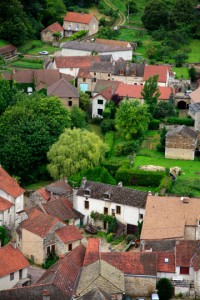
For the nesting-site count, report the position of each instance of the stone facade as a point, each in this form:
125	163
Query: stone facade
69	102
179	153
61	248
136	285
47	36
83	82
72	27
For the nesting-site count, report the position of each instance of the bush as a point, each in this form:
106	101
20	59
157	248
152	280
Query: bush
180	121
109	139
96	120
107	113
107	125
109	237
165	183
154	124
112	166
127	148
165	289
52	259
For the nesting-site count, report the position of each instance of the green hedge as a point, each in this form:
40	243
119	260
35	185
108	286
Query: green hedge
139	177
180	121
109	140
111	166
154	124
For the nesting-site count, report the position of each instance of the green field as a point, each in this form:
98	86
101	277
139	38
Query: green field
33	47
181	73
3	43
27	65
194	55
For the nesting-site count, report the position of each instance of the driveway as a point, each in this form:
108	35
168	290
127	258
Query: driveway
35	273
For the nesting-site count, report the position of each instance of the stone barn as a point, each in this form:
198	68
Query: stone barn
180	143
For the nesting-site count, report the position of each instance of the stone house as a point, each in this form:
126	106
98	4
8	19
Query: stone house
127	205
67	238
84	81
76	48
161	71
14	267
36	235
67	92
74	22
11	200
8	51
181	143
47	34
194	113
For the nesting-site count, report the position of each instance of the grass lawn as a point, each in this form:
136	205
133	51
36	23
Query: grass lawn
181	73
34	46
38	185
194	55
27	65
3	43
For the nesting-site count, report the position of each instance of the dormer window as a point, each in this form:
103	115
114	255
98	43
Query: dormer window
87	192
133	72
166	260
121	72
106	195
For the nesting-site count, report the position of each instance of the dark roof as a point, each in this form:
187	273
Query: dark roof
185	250
33	292
118	194
160	246
86	46
7	48
59	187
102	67
95	294
194	108
182	129
63	89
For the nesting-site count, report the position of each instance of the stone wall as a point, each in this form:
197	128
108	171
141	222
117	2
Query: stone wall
190	232
47	37
179	153
75	102
61	248
180	141
137	286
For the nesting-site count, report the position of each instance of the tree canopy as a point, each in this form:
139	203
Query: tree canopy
27	130
132	119
151	93
75	151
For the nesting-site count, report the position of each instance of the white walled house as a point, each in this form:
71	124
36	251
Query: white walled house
13	267
127	205
98	105
161	71
7	213
11	191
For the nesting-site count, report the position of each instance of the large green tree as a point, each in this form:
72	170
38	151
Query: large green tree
132	119
183	13
27	130
7	94
75	150
151	93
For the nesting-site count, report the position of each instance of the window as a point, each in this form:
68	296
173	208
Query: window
100	111
99	101
71	69
113	212
50	249
105	210
198	222
135	83
12	276
76	27
20	274
106	195
87	192
94	80
108	75
141	216
69	247
184	270
118	210
94	74
86	204
166	260
121	72
69	102
84	80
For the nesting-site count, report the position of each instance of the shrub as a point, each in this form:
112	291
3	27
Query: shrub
52	259
112	225
165	289
107	125
96	120
109	237
127	148
154	124
112	166
107	113
180	121
129	238
165	183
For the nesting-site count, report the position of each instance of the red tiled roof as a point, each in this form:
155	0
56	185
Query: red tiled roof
44	194
161	71
55	27
5	204
185	250
165	262
63	274
78	17
134	91
115	43
11	260
92	252
9	185
39	223
69	234
84	73
75	61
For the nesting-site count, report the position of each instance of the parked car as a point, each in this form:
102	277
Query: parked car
44	52
154	296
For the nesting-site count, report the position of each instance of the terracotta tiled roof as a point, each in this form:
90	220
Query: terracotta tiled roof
78	17
166	217
39	223
11	260
84	73
161	71
92	252
75	61
185	250
5	204
44	194
195	96
7	48
112	43
23	76
62	89
106	88
134	91
9	185
69	234
165	262
55	27
63	274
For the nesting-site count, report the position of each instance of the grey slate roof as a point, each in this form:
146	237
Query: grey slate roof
194	108
86	46
62	89
118	194
183	129
102	67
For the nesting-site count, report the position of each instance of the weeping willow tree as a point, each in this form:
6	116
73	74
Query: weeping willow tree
75	150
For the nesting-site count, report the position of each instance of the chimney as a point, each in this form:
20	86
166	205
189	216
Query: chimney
120	184
66	180
14	244
83	183
185	200
46	295
149	193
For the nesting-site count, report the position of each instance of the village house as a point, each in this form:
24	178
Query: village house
127	205
84	81
74	22
11	200
115	43
194	113
8	51
181	143
195	96
67	92
76	48
47	34
14	267
161	71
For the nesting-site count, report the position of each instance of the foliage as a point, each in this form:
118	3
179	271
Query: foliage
75	150
180	57
4	236
164	109
84	101
51	260
78	117
151	93
109	237
118	240
140	224
109	140
7	93
78	35
27	130
131	6
127	148
132	119
154	124
107	125
166	184
193	74
111	166
165	289
161	147
180	121
108	33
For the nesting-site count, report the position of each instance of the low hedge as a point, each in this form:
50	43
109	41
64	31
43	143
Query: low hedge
154	124
111	166
139	177
180	121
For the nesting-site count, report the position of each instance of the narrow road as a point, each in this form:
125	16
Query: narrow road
122	18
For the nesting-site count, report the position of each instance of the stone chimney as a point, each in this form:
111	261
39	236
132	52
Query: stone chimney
120	184
83	183
46	295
